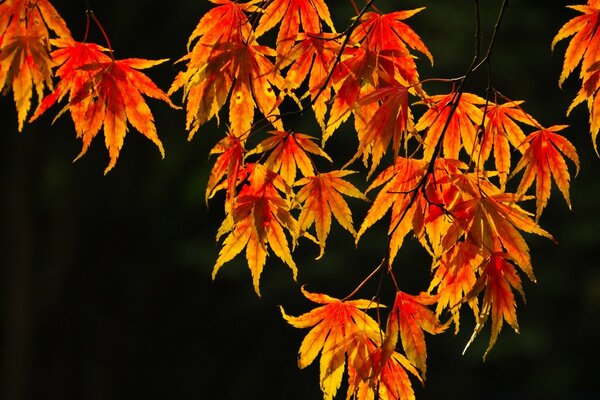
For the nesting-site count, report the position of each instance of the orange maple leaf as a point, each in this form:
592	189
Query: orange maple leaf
258	218
400	183
225	171
321	196
361	71
292	14
289	152
389	123
105	93
498	276
315	54
223	24
25	62
356	75
455	130
584	47
455	277
501	131
544	158
70	57
488	217
228	66
382	56
390	383
410	317
334	325
388	32
589	91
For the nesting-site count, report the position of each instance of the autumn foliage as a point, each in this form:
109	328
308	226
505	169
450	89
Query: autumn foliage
467	175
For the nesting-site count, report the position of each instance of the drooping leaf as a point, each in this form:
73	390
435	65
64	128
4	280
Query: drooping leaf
584	47
258	219
315	54
390	123
357	75
25	62
106	93
292	14
409	318
543	159
498	278
391	382
452	130
380	55
491	219
320	197
238	71
225	172
589	92
500	133
334	326
455	277
388	32
288	151
399	192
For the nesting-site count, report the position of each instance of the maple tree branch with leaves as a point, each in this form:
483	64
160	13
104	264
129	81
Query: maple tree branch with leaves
442	174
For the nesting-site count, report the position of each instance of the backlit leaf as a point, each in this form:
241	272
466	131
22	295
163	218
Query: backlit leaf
258	219
105	93
25	63
584	47
320	197
292	14
543	159
410	317
333	327
498	278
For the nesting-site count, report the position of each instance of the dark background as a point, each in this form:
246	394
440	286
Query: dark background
106	287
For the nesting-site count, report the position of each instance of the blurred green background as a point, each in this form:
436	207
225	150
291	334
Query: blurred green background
106	287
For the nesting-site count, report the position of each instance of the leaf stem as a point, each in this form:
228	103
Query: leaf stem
90	13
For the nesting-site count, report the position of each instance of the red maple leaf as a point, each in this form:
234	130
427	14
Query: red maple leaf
105	93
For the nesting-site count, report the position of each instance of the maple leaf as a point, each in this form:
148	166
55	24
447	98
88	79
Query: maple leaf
390	383
238	71
543	159
292	14
320	196
222	24
584	47
106	93
25	62
490	218
388	32
400	182
455	277
356	75
314	53
288	152
382	55
589	91
455	129
225	171
334	327
498	276
71	57
389	123
410	317
501	131
258	218
362	71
